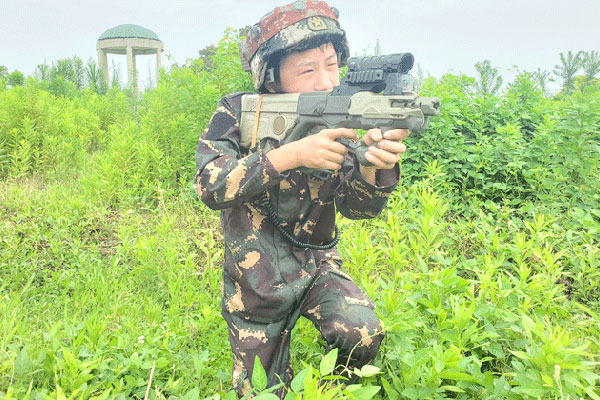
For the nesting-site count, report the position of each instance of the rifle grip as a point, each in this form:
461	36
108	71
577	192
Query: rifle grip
360	149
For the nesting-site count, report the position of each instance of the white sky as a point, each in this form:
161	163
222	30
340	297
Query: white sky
443	35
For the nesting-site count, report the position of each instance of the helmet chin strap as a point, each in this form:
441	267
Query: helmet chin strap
270	84
270	76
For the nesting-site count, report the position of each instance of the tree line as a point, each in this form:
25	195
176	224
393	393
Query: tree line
66	77
576	70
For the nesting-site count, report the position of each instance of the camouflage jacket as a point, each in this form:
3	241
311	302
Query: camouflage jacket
263	274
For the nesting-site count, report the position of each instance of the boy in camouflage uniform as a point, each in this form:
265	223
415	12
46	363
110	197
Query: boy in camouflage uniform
270	280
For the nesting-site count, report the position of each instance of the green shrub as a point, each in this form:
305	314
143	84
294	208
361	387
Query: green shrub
516	148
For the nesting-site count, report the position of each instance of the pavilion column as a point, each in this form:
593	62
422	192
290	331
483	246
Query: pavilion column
157	63
131	67
103	64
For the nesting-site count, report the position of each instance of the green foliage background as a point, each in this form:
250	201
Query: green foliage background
484	265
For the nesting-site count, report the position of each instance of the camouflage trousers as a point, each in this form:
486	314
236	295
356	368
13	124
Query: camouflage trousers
340	310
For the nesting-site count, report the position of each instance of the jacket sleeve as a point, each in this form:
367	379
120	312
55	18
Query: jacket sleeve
356	198
224	176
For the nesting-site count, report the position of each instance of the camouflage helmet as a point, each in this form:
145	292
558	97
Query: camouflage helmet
286	28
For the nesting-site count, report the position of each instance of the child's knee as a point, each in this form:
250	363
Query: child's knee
365	351
356	343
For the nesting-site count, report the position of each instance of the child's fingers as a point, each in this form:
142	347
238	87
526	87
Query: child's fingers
338	133
391	146
396	134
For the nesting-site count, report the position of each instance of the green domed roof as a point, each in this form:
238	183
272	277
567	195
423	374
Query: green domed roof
129	31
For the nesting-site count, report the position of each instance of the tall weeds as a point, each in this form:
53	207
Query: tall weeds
483	267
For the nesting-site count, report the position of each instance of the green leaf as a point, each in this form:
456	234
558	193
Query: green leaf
60	395
297	384
369	370
162	362
496	349
362	393
105	395
547	380
331	393
352	388
411	393
193	394
22	363
587	310
391	393
458	376
70	359
291	396
259	376
266	396
310	384
488	381
591	393
328	363
520	354
452	388
203	356
231	395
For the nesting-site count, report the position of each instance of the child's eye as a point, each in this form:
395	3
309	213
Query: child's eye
306	71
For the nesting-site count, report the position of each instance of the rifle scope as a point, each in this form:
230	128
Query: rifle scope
375	74
400	62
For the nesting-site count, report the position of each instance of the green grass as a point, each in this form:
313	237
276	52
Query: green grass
92	295
484	266
83	283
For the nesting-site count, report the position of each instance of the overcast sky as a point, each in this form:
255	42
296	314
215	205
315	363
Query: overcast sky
444	35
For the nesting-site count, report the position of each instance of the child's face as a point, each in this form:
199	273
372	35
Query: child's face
310	70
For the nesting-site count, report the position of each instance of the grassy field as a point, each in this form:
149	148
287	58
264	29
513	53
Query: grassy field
484	266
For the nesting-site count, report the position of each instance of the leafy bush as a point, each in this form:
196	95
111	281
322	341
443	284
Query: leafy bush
16	78
516	148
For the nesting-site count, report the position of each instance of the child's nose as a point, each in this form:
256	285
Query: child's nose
323	82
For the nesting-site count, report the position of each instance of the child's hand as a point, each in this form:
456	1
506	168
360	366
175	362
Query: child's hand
321	150
384	150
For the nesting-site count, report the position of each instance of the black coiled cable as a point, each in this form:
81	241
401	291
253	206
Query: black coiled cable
287	236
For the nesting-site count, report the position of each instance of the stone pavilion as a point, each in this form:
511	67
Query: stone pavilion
131	40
